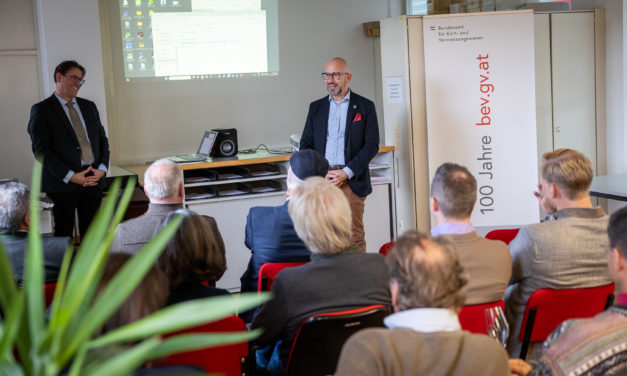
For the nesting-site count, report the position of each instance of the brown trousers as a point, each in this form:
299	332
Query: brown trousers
357	205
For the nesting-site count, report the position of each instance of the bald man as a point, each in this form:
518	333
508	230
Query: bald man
343	127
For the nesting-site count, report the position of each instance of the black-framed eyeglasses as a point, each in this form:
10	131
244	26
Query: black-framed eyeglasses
335	75
77	79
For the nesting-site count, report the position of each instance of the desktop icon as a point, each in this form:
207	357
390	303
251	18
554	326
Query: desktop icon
139	13
151	3
130	66
140	24
140	45
164	2
142	56
126	13
127	24
129	56
125	3
176	3
150	12
127	35
138	3
142	66
140	34
129	44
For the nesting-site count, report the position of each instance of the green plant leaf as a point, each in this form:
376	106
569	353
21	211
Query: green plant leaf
9	369
34	269
11	327
125	361
197	341
8	287
181	316
118	289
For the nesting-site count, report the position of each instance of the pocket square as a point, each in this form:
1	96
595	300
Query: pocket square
357	117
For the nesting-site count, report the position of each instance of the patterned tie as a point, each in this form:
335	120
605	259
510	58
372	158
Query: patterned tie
87	155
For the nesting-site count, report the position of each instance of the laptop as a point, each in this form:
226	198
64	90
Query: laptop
208	138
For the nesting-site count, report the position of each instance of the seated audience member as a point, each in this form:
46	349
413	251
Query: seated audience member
566	250
270	233
594	346
14	224
149	296
163	184
487	263
194	254
424	336
339	276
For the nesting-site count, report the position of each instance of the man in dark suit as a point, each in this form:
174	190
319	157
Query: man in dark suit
270	233
67	133
343	127
14	225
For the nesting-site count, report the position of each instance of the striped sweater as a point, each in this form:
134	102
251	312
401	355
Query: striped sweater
594	346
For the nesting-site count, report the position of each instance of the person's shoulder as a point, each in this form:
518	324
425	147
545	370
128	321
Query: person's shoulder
83	101
360	98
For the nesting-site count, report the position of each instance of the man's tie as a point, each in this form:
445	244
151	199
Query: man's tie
87	156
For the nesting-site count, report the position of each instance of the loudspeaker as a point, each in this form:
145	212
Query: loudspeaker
225	144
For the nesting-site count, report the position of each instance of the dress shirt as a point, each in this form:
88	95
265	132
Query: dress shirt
63	102
336	130
452	228
425	320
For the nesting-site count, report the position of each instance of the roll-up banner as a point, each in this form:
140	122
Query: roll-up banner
480	89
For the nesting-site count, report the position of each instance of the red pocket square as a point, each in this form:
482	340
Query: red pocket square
357	117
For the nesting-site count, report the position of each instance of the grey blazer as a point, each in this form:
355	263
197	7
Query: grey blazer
567	250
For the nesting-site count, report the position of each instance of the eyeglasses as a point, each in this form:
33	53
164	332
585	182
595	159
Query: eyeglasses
335	75
77	79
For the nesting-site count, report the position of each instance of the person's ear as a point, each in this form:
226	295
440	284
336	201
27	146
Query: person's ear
394	292
434	204
26	222
181	190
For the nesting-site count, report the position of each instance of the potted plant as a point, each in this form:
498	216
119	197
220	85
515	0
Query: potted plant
64	344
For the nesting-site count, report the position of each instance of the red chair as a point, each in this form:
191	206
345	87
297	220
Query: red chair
269	271
505	234
547	308
319	340
472	317
229	360
49	293
385	248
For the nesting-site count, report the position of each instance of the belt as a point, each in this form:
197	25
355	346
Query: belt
336	167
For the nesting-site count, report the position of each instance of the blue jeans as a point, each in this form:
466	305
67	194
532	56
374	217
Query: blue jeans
269	361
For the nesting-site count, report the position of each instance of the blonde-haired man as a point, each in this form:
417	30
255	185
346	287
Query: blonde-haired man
338	277
424	336
567	249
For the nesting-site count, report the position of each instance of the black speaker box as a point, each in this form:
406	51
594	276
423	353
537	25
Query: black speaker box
225	144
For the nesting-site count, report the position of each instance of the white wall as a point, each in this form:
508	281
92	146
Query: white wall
70	30
151	119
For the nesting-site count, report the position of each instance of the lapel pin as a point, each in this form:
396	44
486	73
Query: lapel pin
354	107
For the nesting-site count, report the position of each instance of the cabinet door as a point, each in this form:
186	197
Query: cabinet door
377	218
573	68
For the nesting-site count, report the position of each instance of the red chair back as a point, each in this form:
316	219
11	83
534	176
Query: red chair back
269	271
547	308
505	234
229	360
49	293
385	248
472	317
319	340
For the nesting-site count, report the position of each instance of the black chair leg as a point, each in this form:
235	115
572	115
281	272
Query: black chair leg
527	334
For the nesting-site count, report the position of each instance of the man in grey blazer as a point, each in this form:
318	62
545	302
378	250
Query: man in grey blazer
568	249
14	226
487	263
163	184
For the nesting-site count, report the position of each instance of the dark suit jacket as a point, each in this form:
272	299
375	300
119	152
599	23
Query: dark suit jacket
53	252
350	279
271	237
53	137
361	137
